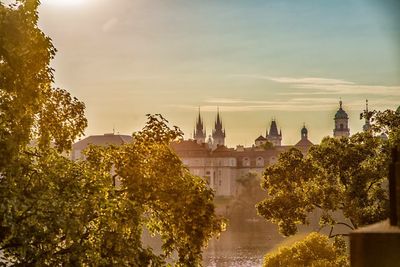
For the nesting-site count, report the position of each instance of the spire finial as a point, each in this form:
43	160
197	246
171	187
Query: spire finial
366	105
340	102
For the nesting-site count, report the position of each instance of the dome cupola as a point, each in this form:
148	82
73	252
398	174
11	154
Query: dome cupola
341	114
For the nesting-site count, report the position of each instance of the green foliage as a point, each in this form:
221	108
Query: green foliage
29	107
388	123
174	204
344	174
242	205
57	212
314	250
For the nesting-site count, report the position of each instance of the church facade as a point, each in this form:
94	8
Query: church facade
221	166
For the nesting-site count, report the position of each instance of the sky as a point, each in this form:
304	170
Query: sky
256	60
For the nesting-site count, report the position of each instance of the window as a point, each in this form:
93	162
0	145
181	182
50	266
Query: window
260	162
246	161
341	126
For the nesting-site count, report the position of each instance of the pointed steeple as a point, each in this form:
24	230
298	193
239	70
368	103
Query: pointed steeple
199	131
218	133
274	137
273	130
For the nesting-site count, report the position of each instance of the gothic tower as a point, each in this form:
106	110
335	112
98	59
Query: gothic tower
341	123
199	133
218	133
273	136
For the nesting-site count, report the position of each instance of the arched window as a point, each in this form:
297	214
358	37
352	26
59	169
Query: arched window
246	161
260	162
341	126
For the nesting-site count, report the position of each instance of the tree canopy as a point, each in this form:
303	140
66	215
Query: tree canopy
54	211
344	175
314	250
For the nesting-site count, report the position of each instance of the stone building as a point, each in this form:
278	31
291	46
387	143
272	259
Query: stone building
98	140
221	166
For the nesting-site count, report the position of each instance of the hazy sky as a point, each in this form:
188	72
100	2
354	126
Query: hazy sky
256	60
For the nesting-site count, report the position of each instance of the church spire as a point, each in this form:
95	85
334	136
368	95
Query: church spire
274	136
218	133
367	116
199	132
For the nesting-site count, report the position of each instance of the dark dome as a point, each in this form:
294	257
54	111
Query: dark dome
304	131
341	114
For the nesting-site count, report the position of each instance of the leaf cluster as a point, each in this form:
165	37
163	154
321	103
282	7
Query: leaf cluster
173	204
339	175
314	250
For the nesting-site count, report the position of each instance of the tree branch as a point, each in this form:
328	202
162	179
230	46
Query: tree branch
348	225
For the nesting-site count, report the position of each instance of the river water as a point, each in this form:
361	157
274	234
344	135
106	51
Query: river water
244	244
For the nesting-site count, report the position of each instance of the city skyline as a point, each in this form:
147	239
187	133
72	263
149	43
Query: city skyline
255	60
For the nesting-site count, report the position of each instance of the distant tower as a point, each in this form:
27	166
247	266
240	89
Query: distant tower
304	133
274	137
367	116
341	123
199	132
304	142
218	133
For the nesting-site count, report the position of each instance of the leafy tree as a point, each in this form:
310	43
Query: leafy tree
388	123
54	211
339	175
29	107
314	250
242	205
173	204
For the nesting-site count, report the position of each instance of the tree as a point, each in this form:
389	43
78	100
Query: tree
54	211
339	175
170	201
344	175
29	107
314	250
242	205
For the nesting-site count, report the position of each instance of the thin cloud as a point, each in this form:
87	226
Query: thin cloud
353	89
294	104
291	80
323	86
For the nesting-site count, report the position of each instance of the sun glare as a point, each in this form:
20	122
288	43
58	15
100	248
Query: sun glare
64	2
